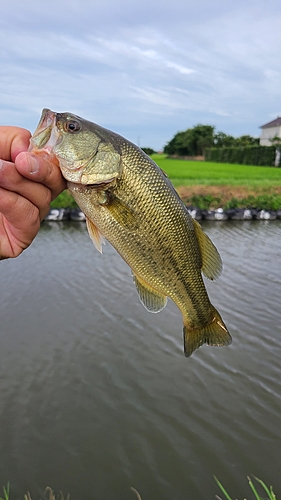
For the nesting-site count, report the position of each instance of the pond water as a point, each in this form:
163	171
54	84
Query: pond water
96	395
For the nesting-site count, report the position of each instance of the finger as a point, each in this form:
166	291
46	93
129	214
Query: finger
38	194
19	223
41	168
19	211
13	140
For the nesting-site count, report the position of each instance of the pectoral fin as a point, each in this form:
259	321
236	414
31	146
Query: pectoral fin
149	297
122	213
211	260
95	235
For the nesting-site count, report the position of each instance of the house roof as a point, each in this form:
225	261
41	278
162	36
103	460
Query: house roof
274	123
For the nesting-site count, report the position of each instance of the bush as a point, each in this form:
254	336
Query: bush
247	155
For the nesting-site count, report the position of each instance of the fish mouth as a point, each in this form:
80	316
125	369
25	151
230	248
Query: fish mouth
47	138
46	135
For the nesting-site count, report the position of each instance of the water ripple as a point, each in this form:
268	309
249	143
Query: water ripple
96	394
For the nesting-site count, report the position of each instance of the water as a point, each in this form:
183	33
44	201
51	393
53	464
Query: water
96	395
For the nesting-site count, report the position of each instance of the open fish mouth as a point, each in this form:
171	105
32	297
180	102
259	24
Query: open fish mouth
47	138
46	135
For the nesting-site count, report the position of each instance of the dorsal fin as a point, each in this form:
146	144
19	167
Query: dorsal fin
211	260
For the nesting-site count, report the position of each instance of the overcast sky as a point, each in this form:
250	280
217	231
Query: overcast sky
143	68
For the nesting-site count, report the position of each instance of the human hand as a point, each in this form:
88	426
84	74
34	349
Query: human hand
28	183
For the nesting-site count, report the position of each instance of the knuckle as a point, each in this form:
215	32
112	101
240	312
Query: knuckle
45	199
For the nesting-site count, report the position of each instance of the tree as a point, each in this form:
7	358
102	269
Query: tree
276	141
223	140
246	140
198	138
175	146
148	151
192	141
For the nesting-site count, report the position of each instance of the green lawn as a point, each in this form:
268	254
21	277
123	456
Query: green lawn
190	173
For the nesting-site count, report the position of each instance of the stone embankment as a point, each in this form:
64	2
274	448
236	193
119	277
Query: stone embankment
66	214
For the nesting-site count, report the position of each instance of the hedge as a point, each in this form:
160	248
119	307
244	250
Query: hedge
248	155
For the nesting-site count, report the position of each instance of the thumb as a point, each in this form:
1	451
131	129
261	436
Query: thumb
41	168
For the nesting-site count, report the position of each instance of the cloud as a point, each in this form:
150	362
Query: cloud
144	69
179	68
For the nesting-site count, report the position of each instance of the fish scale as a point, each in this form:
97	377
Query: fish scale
130	202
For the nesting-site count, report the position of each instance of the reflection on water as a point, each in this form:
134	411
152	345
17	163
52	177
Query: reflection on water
96	395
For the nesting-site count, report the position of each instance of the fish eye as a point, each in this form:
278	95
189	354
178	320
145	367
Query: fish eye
72	126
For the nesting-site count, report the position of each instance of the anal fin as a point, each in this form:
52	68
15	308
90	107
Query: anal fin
152	300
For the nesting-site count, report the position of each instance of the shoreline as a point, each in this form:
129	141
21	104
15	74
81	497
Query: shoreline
215	202
219	214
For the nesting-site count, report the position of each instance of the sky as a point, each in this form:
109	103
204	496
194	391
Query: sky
145	69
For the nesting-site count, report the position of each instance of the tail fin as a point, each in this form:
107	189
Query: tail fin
215	333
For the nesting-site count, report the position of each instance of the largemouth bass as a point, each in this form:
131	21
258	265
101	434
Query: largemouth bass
129	201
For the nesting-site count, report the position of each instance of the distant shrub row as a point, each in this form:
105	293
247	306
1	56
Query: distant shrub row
248	155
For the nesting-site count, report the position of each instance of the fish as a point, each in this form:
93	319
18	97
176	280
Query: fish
130	202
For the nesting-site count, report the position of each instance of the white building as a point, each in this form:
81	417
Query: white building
270	130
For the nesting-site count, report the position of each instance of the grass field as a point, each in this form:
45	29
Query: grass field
212	185
182	172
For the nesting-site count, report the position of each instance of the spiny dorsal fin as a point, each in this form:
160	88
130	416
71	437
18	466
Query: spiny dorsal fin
149	297
95	235
211	260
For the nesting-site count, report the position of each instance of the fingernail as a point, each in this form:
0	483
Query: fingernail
33	165
1	164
